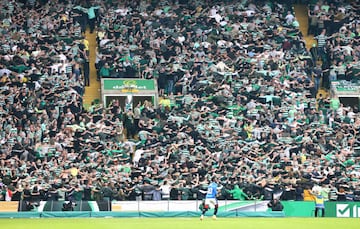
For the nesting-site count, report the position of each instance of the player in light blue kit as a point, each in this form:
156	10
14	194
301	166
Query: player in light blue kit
210	198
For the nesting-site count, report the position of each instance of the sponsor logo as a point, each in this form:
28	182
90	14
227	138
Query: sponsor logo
347	210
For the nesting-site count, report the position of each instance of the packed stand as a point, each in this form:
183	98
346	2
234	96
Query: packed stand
335	25
42	55
242	107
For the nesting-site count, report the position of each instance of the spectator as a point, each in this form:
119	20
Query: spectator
275	205
238	194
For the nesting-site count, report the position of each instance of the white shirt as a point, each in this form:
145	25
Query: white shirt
217	18
289	18
250	13
137	155
165	190
103	42
181	39
213	11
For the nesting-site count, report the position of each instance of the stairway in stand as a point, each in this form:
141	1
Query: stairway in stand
301	13
93	91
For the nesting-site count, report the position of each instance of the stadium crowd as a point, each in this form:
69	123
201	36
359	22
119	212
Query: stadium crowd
242	87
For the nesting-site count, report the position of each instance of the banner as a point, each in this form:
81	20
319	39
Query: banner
9	206
128	85
159	206
342	209
55	206
291	208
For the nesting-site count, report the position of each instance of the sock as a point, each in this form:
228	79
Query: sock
216	209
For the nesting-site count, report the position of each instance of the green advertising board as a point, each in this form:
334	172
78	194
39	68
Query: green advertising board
342	209
299	208
344	88
128	85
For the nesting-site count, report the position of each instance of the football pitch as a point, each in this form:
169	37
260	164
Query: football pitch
183	223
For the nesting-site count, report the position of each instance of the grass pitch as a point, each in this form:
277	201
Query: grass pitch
183	223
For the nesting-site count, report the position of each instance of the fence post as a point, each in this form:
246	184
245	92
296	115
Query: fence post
20	205
197	204
138	206
225	204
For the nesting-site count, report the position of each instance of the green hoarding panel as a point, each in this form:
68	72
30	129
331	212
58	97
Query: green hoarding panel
299	208
20	215
342	209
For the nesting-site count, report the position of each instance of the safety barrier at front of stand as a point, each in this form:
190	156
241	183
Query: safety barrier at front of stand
141	208
184	214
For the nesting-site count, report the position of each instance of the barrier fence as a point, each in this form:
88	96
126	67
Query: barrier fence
171	209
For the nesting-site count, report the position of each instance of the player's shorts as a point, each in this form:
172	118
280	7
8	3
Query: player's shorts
211	202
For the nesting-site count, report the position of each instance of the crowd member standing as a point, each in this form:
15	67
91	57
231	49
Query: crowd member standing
86	67
275	205
319	204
